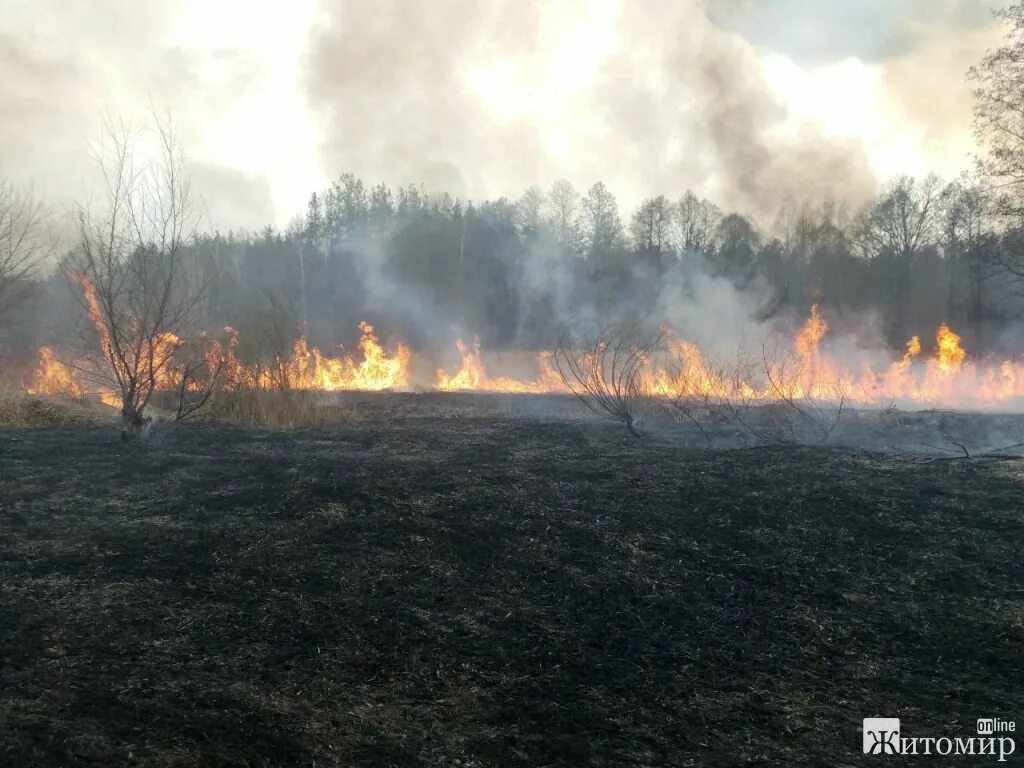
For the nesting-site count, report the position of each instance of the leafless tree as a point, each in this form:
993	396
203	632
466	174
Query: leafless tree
563	214
806	408
999	114
695	222
609	373
897	226
650	226
24	244
602	230
697	399
196	373
529	212
136	289
999	125
970	249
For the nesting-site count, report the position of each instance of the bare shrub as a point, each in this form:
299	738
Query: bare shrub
779	399
610	372
136	291
198	370
807	408
704	394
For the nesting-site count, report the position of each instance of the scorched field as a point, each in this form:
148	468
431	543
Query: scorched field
438	583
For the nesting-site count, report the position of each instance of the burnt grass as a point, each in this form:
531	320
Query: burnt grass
423	589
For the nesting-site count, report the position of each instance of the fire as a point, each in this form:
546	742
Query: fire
472	375
52	377
309	368
811	334
804	368
951	354
305	368
93	307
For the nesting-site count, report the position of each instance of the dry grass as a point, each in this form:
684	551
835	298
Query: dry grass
20	410
278	409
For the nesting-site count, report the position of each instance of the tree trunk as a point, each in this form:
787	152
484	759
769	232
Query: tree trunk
133	422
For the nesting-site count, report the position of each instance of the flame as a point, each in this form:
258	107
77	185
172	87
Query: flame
810	336
53	377
305	368
93	308
805	368
951	354
472	375
309	368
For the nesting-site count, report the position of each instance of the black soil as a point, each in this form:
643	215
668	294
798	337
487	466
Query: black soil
412	590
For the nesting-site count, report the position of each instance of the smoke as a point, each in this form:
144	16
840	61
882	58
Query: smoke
483	99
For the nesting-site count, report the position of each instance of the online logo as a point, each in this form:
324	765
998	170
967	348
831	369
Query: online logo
882	735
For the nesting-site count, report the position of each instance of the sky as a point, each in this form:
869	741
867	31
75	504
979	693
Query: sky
747	102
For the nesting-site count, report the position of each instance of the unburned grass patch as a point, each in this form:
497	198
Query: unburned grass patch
19	410
280	409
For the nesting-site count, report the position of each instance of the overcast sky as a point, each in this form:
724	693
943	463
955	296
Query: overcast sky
744	101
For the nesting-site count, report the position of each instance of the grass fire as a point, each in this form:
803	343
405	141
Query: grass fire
349	418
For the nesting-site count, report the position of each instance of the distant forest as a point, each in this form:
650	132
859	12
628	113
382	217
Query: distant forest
427	267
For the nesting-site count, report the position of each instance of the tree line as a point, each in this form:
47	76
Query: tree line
426	267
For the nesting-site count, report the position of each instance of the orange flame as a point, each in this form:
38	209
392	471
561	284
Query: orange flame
309	368
810	336
807	369
951	354
472	375
53	377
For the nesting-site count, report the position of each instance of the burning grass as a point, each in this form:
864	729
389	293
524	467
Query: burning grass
786	371
409	589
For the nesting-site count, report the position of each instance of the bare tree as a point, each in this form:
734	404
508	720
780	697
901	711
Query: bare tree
804	407
563	214
609	373
528	212
650	226
129	263
695	223
968	246
602	227
24	244
999	114
897	226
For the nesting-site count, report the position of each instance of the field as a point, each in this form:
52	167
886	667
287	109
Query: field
439	583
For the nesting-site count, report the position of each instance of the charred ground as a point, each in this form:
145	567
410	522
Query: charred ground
425	588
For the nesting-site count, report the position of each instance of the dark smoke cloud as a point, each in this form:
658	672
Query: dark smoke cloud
387	78
677	103
659	96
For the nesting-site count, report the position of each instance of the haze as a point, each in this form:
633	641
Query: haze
748	103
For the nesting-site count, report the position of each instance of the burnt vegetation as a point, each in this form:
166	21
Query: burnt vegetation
286	573
423	586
